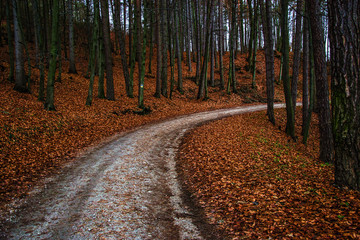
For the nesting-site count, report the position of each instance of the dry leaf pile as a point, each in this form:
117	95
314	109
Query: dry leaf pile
255	182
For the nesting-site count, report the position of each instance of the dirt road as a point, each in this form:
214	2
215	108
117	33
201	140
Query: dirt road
126	189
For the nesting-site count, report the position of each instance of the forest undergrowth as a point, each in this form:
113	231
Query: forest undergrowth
35	143
254	182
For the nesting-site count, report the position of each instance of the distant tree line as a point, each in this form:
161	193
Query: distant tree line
201	32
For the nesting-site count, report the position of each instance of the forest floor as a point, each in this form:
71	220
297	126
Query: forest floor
35	143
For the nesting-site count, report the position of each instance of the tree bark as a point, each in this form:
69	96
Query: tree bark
110	93
297	48
305	98
269	57
221	45
345	78
20	79
94	45
164	45
322	88
11	77
158	50
290	113
49	103
72	66
203	76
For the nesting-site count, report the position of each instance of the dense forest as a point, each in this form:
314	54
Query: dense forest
315	38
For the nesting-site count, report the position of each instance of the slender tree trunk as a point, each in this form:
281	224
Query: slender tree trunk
20	78
241	25
101	62
345	57
141	51
290	113
297	48
255	45
232	78
38	33
203	76
164	44
178	50
151	37
11	77
72	66
94	45
49	103
189	34
250	44
221	45
158	49
322	88
305	98
212	54
121	39
130	31
171	45
110	93
269	57
198	41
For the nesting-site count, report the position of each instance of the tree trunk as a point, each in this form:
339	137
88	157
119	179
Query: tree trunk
141	51
178	50
290	113
158	49
121	39
110	93
345	56
38	33
20	79
189	33
297	48
255	44
10	41
49	103
305	98
322	88
269	57
198	41
164	45
221	45
94	45
232	78
203	75
72	66
101	62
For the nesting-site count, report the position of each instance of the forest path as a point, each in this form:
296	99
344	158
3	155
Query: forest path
126	189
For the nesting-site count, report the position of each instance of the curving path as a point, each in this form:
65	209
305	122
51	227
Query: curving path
126	189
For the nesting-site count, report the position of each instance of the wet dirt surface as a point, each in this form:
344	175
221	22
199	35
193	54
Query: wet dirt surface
126	189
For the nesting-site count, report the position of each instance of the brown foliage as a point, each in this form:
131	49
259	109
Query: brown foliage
35	143
254	182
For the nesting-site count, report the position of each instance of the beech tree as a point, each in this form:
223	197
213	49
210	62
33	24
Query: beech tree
110	94
290	114
20	78
322	88
49	103
345	85
72	66
297	48
269	57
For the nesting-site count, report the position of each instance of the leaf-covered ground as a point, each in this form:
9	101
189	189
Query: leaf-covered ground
256	183
35	143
